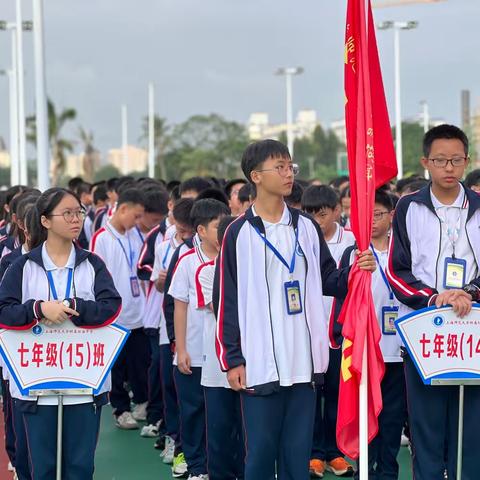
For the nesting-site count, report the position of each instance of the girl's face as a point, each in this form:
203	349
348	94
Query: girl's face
66	219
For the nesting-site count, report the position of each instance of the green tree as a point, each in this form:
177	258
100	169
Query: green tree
58	145
161	140
106	172
206	145
91	156
412	139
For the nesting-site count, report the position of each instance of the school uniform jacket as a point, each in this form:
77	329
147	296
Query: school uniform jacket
415	245
241	300
147	254
25	284
8	259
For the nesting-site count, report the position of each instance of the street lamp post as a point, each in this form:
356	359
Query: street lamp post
426	122
124	140
288	73
151	130
397	27
41	113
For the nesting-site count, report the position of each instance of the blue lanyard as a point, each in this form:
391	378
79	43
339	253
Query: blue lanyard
290	267
52	284
164	261
128	257
139	233
382	271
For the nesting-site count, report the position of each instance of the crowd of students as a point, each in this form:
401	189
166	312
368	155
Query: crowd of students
231	291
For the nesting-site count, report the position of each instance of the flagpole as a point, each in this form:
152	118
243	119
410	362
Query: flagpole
363	416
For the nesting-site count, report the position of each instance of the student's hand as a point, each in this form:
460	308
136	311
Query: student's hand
237	379
56	312
184	362
160	282
366	261
460	301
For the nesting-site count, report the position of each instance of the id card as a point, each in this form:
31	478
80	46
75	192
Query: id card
293	297
135	286
454	273
389	316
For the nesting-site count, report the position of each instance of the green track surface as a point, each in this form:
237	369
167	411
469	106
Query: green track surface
124	455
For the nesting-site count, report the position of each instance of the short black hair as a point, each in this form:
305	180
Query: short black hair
182	210
229	185
111	184
156	200
245	193
223	225
206	210
214	193
384	198
317	197
100	194
256	153
125	183
131	195
473	178
441	132
83	187
199	184
404	182
295	197
74	183
172	185
336	182
416	185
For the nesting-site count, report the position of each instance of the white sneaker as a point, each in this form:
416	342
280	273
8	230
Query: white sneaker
10	467
169	450
404	442
198	477
125	421
139	412
180	467
151	431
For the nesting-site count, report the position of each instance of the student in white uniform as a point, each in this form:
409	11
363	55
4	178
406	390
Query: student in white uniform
55	281
189	323
119	245
323	204
225	445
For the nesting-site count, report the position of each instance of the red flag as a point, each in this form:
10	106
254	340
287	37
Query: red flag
371	160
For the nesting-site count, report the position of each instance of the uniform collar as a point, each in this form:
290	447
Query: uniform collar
48	262
460	201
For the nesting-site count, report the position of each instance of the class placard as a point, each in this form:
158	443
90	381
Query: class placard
442	345
61	357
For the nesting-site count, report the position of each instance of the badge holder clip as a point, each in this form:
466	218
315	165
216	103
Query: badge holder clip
60	393
461	383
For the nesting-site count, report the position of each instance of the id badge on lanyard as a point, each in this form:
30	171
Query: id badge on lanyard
292	291
455	270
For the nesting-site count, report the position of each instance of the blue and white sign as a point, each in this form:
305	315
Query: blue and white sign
442	345
61	357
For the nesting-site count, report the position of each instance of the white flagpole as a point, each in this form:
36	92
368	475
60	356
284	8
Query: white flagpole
363	390
363	416
151	131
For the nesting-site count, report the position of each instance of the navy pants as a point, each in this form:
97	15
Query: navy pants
433	420
22	458
192	419
324	446
169	393
279	430
131	366
225	445
155	400
81	424
8	421
384	448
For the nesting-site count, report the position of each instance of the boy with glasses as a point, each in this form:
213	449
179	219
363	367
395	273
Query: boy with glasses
436	233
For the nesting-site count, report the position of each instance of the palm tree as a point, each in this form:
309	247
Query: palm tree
90	154
161	139
58	145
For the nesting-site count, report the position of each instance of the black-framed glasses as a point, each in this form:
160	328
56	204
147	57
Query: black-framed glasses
70	215
379	215
283	170
443	162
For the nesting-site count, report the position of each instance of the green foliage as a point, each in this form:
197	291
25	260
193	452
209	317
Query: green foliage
106	172
412	139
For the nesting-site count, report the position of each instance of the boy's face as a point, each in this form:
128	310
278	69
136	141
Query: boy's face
183	231
446	177
130	214
233	202
193	194
151	219
346	201
381	224
275	176
209	233
112	196
326	217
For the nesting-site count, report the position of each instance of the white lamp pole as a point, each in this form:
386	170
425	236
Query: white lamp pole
124	140
41	112
397	26
151	130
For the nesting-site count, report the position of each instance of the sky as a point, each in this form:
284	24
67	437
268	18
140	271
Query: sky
220	56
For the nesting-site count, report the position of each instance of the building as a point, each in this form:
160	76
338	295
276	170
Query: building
136	159
259	126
